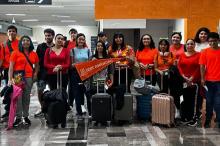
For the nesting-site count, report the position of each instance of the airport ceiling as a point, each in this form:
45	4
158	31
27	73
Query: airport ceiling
60	13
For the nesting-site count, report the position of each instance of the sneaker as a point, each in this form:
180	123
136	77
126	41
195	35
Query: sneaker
185	121
177	114
17	122
27	121
38	114
193	123
83	109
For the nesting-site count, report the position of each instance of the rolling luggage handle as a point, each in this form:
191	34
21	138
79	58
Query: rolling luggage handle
196	95
126	77
97	85
59	78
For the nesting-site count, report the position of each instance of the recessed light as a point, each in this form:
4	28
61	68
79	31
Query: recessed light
61	16
15	14
30	20
68	20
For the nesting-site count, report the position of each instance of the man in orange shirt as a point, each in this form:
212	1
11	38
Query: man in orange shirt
6	50
210	77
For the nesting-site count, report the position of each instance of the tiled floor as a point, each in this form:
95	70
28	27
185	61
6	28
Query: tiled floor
82	133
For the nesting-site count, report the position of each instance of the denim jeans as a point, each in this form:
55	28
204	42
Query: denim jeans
213	100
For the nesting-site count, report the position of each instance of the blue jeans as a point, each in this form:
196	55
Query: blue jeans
213	100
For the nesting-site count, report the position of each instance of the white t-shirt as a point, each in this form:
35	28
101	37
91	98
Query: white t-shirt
201	46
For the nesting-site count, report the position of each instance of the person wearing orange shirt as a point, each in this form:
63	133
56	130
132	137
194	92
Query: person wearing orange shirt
145	56
189	69
119	49
176	47
21	66
210	77
5	51
162	62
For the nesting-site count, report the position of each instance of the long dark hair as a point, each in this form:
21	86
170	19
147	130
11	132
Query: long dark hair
205	29
104	52
31	47
114	45
164	41
141	44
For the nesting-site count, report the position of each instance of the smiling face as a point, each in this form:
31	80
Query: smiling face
176	39
146	41
81	41
190	46
59	40
99	47
26	43
118	40
213	42
203	36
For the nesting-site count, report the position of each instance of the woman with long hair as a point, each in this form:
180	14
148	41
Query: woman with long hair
145	57
22	73
162	62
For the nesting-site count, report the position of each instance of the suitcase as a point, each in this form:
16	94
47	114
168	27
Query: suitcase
101	105
126	112
57	109
144	103
163	109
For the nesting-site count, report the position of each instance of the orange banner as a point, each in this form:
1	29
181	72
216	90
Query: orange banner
89	68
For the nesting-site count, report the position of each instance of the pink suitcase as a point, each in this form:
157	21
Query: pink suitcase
163	109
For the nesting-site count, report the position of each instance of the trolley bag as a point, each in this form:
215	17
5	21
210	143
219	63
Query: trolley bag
125	113
101	105
144	102
56	104
163	108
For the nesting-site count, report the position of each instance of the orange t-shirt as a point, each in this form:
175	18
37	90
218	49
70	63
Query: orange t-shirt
210	58
21	62
177	52
128	51
164	62
146	56
5	53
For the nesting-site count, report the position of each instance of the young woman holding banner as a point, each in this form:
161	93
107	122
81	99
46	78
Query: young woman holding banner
81	53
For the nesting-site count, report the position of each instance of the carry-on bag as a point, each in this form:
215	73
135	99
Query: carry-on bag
55	104
101	105
125	113
144	105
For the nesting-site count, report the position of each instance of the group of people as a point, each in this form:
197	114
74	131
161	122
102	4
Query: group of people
195	63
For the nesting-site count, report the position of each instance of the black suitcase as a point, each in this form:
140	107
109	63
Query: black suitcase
101	105
56	107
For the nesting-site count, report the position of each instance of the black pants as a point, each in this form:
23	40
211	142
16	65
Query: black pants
5	77
77	92
164	82
52	81
187	107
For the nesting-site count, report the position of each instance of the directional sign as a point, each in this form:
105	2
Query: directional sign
25	2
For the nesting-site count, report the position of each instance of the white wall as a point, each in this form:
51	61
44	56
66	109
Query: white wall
157	28
38	32
179	27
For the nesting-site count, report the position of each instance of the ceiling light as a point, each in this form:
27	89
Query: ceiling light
51	6
61	16
15	14
68	20
30	20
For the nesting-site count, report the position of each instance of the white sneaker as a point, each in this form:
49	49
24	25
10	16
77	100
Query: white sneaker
83	109
177	114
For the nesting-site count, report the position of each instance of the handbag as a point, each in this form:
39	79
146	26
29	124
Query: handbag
141	86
